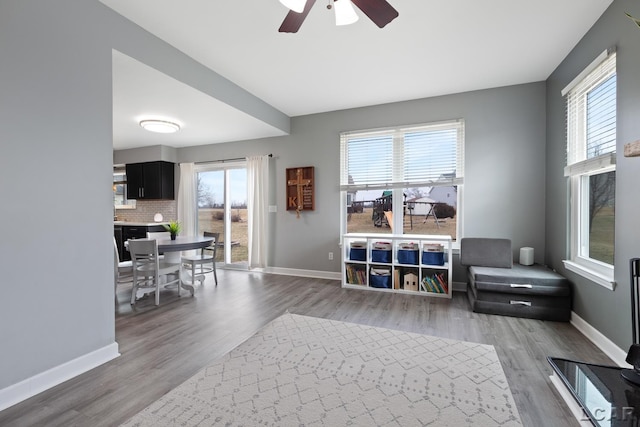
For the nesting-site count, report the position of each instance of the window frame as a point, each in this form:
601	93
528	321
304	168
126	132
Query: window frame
579	169
397	183
225	167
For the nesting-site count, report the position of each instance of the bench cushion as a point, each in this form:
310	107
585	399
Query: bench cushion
523	291
520	279
486	252
527	306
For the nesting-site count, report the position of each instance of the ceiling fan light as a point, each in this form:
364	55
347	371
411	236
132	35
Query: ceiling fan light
295	5
345	14
160	126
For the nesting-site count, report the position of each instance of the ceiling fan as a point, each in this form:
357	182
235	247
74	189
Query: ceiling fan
379	11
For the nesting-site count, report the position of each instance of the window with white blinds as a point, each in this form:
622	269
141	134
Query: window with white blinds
591	169
591	118
431	155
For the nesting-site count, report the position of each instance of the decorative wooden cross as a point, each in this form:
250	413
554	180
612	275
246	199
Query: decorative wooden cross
297	200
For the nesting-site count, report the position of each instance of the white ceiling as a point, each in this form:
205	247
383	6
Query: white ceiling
140	92
434	47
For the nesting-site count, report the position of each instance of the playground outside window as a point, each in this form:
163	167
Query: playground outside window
404	180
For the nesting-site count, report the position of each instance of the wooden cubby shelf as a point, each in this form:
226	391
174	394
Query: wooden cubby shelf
416	264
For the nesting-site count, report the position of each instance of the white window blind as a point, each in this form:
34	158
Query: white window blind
591	115
430	155
370	158
591	158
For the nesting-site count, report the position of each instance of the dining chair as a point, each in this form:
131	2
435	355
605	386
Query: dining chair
148	267
159	235
123	270
207	255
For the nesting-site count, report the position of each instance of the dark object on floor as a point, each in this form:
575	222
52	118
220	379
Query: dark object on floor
633	356
497	286
581	380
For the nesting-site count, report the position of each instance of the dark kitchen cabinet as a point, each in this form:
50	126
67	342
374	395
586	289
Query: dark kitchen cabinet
150	180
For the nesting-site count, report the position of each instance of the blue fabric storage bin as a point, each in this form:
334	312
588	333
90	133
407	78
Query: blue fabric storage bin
381	255
407	256
380	281
433	258
358	254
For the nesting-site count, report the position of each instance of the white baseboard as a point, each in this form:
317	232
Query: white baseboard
607	346
304	273
25	389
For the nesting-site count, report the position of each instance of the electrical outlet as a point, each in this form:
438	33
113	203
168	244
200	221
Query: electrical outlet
330	256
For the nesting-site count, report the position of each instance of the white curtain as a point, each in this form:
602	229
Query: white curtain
257	207
187	200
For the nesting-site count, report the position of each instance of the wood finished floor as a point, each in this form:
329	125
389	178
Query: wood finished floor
163	346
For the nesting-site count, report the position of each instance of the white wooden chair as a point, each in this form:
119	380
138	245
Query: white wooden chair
206	256
159	235
148	268
123	270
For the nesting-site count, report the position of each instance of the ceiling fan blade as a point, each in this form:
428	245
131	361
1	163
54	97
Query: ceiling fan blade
294	20
379	11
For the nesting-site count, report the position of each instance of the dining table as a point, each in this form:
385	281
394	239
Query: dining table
172	253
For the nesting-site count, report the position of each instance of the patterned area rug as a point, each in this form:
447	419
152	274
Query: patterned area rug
304	371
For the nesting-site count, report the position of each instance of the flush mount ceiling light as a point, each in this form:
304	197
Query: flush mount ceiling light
379	11
160	126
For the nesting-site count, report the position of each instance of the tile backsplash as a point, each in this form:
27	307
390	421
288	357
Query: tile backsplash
146	209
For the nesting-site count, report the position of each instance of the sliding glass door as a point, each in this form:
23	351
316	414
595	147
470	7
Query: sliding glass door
222	208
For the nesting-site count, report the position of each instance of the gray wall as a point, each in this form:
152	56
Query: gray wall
55	130
504	172
56	133
608	311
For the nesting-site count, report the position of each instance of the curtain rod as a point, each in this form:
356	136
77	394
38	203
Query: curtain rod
225	160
